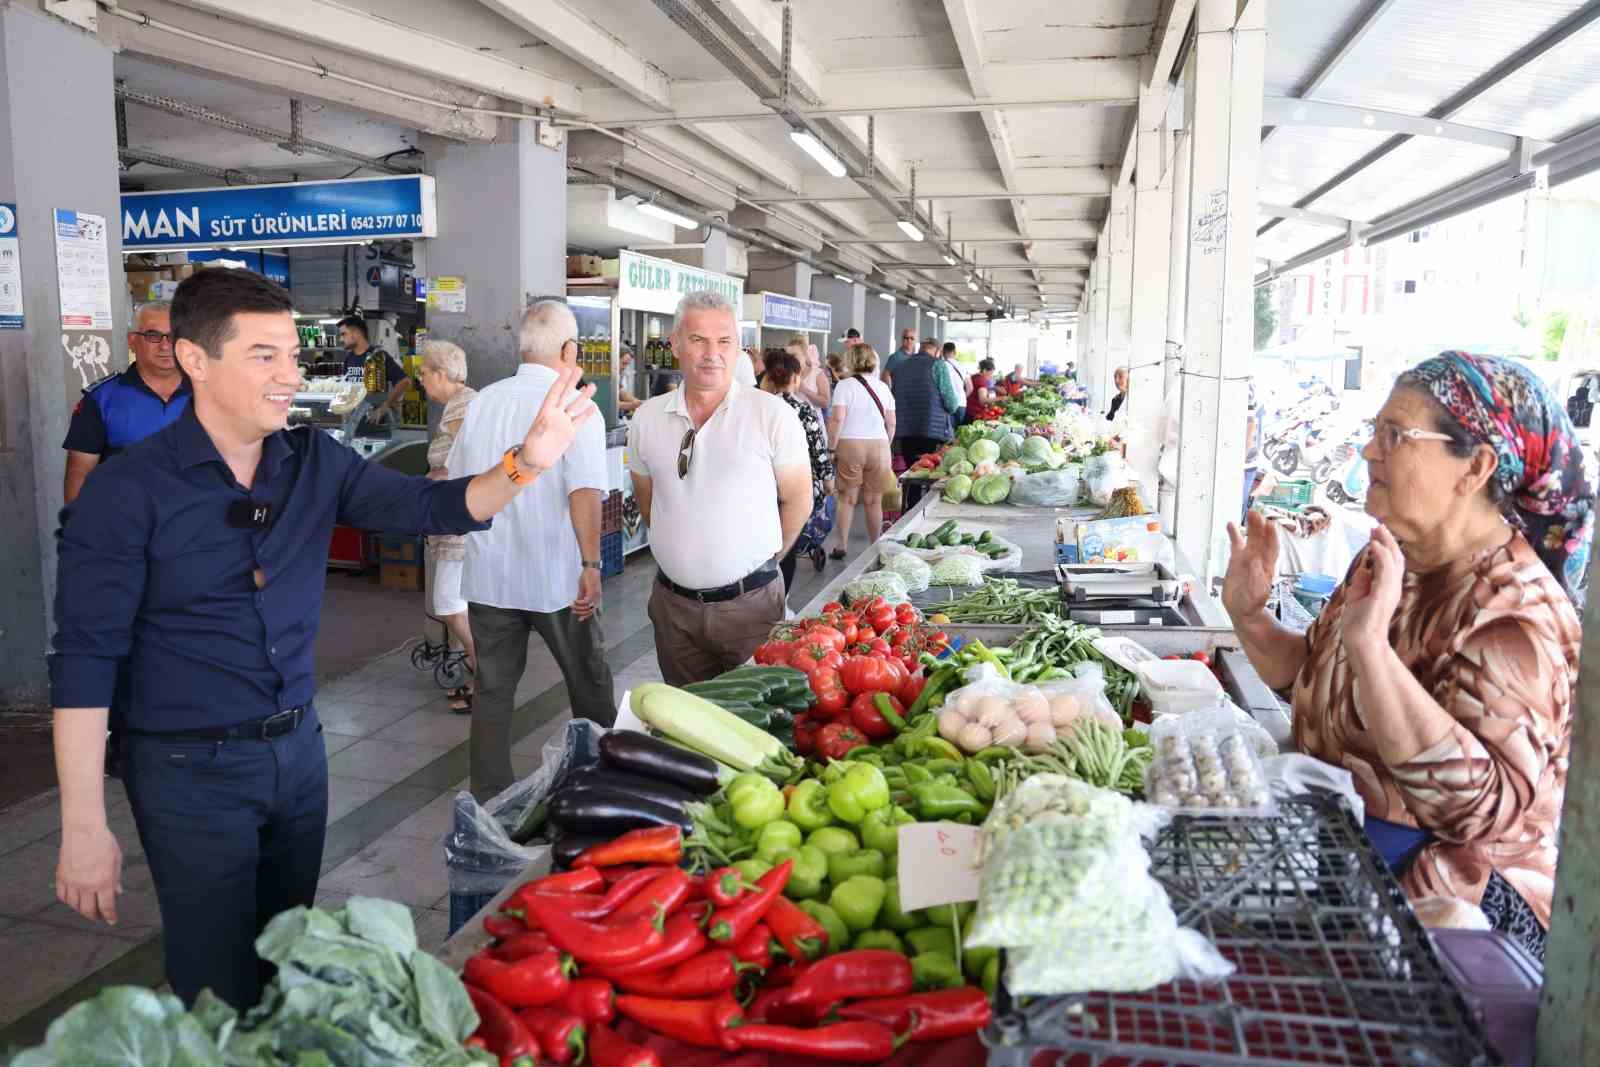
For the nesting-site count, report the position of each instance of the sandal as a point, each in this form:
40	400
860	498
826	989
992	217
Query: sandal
837	553
460	700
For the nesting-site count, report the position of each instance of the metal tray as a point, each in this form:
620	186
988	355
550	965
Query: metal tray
1084	584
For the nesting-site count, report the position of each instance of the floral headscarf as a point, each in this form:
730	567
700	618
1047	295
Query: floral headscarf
1542	467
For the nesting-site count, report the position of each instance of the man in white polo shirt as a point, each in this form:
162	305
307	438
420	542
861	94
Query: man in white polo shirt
723	479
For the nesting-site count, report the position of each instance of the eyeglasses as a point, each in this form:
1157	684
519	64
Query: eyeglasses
155	337
686	453
1388	436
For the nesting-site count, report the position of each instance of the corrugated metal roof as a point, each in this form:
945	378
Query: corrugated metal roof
1299	158
1410	172
1300	40
1553	96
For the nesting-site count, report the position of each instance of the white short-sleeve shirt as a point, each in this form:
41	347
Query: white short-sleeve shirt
529	559
720	522
861	419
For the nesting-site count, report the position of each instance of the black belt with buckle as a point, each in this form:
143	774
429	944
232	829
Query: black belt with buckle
749	583
284	722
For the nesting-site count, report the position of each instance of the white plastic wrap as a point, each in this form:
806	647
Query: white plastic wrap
917	573
1205	765
1011	561
991	710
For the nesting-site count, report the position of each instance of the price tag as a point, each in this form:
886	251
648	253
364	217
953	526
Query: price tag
937	864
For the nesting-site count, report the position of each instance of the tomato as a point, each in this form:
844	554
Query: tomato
900	639
912	688
938	641
773	653
822	676
850	631
831	703
899	670
867	674
880	616
880	647
849	618
837	739
1201	657
865	635
832	606
1175	656
826	635
805	735
866	717
905	614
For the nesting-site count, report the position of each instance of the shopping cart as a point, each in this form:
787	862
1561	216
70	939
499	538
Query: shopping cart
449	665
815	532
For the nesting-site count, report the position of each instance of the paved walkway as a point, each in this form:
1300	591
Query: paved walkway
396	759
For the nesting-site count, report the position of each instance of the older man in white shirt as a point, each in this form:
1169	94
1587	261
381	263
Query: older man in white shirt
538	567
722	475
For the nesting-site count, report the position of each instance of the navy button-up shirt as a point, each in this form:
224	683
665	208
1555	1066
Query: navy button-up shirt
155	584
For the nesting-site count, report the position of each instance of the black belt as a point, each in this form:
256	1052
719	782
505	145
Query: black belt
284	722
749	583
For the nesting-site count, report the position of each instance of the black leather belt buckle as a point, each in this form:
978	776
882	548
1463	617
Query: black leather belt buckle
285	722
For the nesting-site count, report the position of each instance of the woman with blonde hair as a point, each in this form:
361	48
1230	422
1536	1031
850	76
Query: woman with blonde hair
443	378
860	427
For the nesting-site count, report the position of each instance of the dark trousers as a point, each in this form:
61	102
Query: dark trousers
914	448
233	832
501	637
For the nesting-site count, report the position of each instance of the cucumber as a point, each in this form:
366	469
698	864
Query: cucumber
943	529
993	551
969	539
985	537
728	694
951	539
914	541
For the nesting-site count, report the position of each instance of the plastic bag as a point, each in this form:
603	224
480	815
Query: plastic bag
916	572
886	584
479	855
1010	561
1205	765
1104	475
1080	698
991	710
958	570
1176	686
1049	489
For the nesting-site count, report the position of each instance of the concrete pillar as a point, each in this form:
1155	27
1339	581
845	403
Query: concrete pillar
503	229
1177	296
722	252
1101	382
1230	59
58	150
1152	248
907	317
791	279
1119	301
849	303
880	331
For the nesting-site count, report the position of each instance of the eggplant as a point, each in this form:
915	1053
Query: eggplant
637	753
604	811
598	775
569	847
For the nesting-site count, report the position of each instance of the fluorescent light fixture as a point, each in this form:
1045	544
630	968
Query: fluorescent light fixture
329	322
913	303
657	211
909	228
886	296
944	318
931	315
972	284
819	152
987	299
949	260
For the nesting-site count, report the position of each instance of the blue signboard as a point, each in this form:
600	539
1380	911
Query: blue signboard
792	313
268	216
10	270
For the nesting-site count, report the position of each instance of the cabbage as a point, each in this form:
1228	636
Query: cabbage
917	574
956	455
961	467
1049	489
991	489
1001	432
1036	452
983	452
957	489
1011	447
959	569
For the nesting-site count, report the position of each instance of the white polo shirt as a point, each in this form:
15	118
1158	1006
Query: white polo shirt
721	522
529	559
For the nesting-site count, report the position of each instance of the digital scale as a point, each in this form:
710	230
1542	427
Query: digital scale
1120	594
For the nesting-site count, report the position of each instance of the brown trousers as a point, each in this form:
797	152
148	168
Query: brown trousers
696	642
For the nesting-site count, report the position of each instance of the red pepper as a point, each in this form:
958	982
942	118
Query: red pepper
723	886
912	689
577	905
607	1048
568	882
705	1022
628	886
528	943
782	975
611	944
852	1042
867	715
756	947
733	922
805	735
504	927
653	844
716	971
683	940
930	1016
501	1032
591	999
665	894
801	936
701	911
621	870
775	1006
525	983
560	1033
866	972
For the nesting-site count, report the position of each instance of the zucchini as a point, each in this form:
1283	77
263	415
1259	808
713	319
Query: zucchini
606	811
722	692
756	715
914	541
945	528
637	753
994	551
985	537
757	670
951	539
969	539
724	737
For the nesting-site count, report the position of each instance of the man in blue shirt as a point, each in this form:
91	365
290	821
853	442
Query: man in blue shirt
386	379
907	349
123	409
192	566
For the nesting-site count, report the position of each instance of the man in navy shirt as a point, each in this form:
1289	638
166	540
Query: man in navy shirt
192	566
386	379
123	409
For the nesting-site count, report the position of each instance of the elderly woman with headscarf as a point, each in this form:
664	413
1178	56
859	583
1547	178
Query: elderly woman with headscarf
443	378
1441	674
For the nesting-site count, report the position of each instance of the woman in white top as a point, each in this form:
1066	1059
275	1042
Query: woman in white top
860	427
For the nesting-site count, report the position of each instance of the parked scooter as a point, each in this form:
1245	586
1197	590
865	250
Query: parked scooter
1347	480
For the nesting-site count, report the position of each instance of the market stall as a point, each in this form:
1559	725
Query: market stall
780	317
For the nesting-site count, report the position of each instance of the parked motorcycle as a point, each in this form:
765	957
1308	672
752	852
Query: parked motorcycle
1347	477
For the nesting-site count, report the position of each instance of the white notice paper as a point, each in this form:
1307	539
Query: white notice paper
936	864
10	270
83	271
448	294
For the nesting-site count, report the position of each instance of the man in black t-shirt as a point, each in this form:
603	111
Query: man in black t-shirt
386	380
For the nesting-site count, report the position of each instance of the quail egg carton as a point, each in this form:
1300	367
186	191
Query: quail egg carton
1204	765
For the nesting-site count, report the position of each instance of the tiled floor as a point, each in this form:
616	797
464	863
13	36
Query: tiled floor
396	761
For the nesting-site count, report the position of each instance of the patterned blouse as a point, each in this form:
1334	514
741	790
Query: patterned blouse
1495	641
817	442
451	546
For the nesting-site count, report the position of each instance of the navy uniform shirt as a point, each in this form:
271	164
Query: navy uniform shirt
121	410
392	370
153	579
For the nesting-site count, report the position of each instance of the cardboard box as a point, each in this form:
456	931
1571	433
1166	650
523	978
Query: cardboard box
1136	539
140	281
583	266
402	576
400	550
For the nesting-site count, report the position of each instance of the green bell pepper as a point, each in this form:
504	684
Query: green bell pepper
836	770
777	836
845	865
975	960
867	755
886	939
932	939
808	805
935	970
862	789
892	916
881	828
742	782
831	839
947	915
838	932
936	767
939	748
991	975
755	805
916	772
936	801
752	869
858	901
809	873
